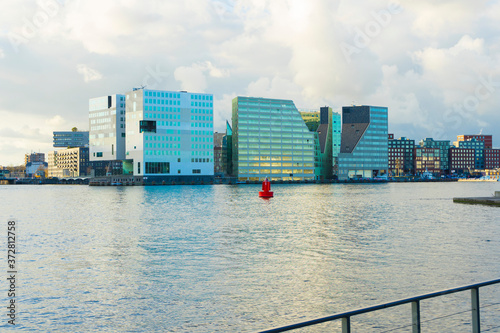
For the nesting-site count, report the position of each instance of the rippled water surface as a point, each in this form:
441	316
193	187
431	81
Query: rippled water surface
220	259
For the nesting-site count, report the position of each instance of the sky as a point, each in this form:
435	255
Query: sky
434	64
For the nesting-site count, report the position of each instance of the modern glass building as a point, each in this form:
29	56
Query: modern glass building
170	133
364	146
336	139
270	139
443	146
71	139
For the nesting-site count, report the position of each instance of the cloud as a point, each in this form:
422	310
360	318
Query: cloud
26	133
194	77
435	65
88	73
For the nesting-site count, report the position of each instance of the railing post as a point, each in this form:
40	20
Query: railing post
415	316
476	322
346	325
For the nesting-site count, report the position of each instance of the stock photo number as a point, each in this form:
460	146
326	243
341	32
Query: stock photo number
11	271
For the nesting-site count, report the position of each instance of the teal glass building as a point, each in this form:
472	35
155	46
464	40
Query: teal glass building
364	146
270	139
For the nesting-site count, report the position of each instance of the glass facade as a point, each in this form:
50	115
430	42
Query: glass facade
270	139
443	146
364	147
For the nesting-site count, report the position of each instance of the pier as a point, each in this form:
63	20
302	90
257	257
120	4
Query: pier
492	201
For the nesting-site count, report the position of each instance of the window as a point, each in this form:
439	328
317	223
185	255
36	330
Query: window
196	170
147	126
157	167
99	154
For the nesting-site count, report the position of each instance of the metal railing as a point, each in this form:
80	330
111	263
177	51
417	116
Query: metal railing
415	310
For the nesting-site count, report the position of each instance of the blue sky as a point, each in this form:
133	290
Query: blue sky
435	65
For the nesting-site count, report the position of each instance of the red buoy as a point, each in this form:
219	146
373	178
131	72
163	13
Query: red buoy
266	189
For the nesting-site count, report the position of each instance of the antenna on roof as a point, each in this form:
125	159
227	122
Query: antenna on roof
141	87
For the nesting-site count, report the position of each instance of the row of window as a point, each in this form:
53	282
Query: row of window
202	104
162	145
202	118
270	158
198	132
202	160
200	139
202	111
162	116
161	101
202	153
284	152
162	152
202	125
161	94
275	171
275	164
276	146
161	138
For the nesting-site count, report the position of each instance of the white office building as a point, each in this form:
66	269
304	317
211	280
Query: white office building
169	133
107	128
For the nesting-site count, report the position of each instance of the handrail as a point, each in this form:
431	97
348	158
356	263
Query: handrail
345	316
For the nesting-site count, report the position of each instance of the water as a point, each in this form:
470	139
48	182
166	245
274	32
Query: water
220	259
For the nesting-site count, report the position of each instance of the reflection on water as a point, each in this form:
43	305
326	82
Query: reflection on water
218	258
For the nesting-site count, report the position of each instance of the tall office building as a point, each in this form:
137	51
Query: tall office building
270	139
364	146
107	128
170	134
70	139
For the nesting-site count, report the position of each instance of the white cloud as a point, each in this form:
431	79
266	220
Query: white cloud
421	62
88	73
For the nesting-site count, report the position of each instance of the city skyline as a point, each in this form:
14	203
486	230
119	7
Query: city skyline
409	57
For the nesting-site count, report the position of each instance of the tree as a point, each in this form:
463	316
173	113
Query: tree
74	129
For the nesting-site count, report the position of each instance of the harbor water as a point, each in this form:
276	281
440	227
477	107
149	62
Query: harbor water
220	259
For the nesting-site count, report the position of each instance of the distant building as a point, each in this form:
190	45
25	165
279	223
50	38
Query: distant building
427	160
443	146
219	154
311	118
107	128
478	147
70	139
327	143
491	159
462	160
34	157
69	163
401	159
487	139
364	146
34	164
228	142
36	169
270	139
